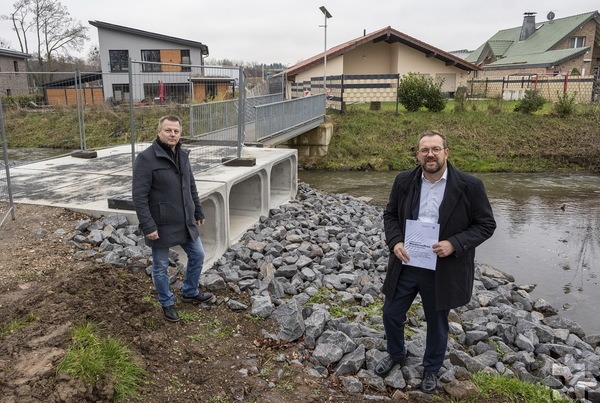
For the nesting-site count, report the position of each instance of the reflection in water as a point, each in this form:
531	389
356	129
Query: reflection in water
548	231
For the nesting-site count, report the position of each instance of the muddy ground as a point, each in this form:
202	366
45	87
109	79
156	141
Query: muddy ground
197	360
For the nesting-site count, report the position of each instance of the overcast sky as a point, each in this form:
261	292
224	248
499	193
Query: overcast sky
269	31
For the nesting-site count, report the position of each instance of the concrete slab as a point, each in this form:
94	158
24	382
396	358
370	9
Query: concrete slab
233	197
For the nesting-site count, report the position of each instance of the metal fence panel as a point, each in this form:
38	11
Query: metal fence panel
274	119
549	86
212	95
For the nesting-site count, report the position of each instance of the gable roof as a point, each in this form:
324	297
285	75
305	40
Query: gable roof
388	35
14	53
153	35
507	49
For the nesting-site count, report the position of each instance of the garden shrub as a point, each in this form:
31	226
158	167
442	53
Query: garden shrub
532	101
565	105
415	91
411	91
434	98
460	97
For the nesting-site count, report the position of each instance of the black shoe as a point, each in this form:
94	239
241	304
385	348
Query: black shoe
171	313
429	383
198	299
385	365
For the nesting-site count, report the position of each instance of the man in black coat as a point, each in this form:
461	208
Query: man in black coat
434	192
169	211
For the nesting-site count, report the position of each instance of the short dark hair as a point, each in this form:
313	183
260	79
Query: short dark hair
429	133
170	118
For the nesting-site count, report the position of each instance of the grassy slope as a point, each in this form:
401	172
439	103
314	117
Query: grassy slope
479	141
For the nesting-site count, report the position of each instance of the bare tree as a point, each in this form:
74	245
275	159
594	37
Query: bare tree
52	28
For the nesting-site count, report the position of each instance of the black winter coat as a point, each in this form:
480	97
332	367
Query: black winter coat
165	196
466	220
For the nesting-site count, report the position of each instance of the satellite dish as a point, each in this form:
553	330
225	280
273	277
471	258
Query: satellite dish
550	16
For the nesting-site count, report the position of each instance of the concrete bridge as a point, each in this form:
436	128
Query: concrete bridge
234	196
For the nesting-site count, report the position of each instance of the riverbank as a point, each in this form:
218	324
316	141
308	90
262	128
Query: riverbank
479	141
296	317
548	230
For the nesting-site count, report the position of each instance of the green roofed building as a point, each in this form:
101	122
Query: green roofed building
556	46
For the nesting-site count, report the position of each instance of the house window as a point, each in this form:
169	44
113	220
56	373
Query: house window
577	41
119	60
120	92
174	92
151	56
8	92
185	59
16	65
211	90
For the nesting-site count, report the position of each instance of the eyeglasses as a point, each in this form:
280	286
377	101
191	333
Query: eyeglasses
434	150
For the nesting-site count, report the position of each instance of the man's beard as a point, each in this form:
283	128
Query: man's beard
432	170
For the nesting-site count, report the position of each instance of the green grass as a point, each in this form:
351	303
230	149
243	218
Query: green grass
94	359
479	141
322	296
189	317
215	329
17	324
514	390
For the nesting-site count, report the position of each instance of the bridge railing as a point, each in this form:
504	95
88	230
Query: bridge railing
277	118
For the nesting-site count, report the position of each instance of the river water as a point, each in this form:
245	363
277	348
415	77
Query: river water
548	231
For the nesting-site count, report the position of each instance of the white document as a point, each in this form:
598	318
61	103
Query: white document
418	242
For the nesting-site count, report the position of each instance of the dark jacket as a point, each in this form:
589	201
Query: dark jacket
466	220
165	196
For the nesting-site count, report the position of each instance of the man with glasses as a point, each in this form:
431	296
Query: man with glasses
434	192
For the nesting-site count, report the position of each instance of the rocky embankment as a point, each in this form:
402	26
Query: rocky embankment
316	265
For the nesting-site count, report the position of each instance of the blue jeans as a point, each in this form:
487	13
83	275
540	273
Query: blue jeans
160	263
415	280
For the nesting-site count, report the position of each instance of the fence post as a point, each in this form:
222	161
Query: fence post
486	87
11	206
397	97
342	105
502	90
131	115
80	109
241	111
565	84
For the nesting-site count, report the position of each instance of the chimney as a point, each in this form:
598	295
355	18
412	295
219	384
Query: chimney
528	27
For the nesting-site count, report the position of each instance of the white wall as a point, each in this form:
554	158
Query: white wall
383	58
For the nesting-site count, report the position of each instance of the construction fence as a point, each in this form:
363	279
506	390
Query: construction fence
585	89
6	201
208	99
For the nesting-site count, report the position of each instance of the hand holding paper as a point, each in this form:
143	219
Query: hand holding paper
419	239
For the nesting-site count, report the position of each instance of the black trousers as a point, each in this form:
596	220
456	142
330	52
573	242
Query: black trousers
415	280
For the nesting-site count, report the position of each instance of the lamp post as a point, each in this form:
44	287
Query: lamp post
327	15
